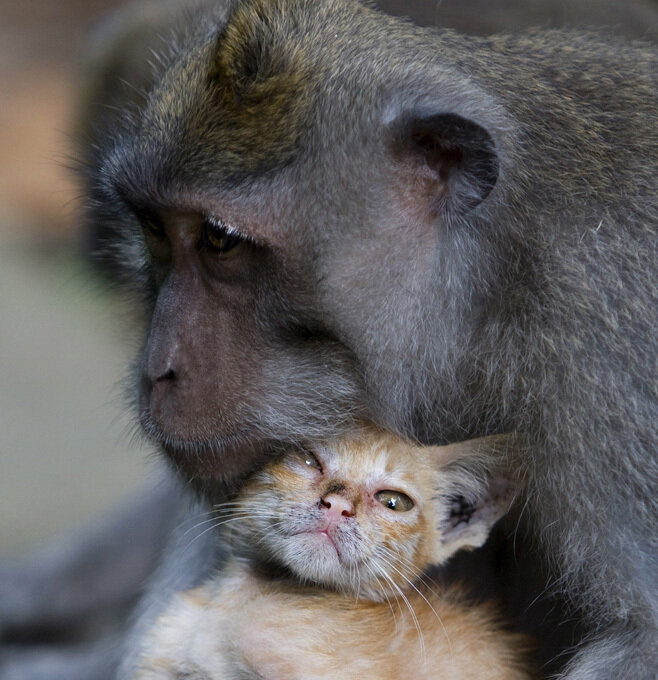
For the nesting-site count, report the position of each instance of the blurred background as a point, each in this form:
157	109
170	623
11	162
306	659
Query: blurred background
66	450
67	445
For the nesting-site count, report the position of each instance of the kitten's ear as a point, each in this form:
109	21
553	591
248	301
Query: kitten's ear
477	482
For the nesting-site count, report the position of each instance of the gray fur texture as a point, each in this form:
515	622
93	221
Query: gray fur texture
451	236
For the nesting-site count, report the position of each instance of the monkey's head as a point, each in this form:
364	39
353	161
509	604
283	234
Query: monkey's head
306	199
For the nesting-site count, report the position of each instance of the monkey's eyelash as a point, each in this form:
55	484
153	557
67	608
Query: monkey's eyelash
218	237
227	227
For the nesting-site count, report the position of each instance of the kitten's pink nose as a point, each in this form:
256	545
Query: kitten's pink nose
338	505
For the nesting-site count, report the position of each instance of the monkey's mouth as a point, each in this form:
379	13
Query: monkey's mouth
224	459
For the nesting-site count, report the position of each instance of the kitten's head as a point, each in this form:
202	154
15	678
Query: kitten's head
369	514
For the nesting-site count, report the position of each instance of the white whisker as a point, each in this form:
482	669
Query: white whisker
218	523
419	575
405	599
424	598
386	597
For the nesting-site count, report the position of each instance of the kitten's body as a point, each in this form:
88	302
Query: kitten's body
243	625
327	581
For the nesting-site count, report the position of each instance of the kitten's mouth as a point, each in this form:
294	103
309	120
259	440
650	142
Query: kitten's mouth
324	536
325	533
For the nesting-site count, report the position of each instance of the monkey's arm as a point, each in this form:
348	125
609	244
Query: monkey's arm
89	575
96	661
80	591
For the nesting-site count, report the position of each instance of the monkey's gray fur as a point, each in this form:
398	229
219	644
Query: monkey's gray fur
452	236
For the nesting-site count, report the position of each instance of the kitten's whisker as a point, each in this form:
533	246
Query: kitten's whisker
386	596
218	523
198	536
269	526
197	525
203	523
240	509
244	507
226	504
427	602
222	507
405	599
418	574
242	514
240	518
191	521
357	572
227	508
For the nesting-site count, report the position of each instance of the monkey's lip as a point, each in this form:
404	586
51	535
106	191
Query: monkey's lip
224	460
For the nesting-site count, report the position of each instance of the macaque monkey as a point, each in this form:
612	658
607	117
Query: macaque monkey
332	214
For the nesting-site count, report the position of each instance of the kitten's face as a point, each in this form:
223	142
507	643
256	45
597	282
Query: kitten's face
364	516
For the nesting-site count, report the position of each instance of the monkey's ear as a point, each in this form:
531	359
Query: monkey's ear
477	483
452	159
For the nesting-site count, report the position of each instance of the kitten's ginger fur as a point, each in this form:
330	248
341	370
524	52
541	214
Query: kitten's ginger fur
327	578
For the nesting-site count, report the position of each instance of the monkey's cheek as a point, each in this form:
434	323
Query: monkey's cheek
204	439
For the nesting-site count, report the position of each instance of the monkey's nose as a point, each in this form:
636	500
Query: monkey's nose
338	505
158	391
167	376
156	382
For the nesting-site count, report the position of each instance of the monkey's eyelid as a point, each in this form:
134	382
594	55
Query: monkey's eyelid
227	227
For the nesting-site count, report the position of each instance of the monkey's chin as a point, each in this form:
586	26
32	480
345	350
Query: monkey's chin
224	461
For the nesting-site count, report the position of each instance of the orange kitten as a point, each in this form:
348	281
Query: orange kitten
327	578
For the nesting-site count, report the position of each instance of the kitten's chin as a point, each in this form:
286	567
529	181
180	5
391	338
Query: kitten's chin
315	556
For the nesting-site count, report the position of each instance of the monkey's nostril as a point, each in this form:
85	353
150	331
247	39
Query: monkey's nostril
169	376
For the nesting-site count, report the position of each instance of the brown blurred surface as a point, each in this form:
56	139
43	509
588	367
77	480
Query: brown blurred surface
40	44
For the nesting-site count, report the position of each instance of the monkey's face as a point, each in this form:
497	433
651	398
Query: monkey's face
308	262
229	369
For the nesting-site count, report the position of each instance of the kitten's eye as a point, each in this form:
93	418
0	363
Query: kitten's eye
310	460
219	237
395	500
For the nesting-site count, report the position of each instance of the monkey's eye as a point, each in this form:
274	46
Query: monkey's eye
152	224
219	237
395	500
310	460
